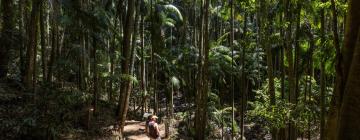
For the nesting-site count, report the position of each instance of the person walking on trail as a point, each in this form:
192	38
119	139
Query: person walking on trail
152	128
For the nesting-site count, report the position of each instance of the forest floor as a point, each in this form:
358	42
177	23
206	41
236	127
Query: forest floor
135	130
22	118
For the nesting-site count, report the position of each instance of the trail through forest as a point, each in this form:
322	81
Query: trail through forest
135	130
221	69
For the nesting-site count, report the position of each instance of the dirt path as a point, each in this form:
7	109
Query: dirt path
135	130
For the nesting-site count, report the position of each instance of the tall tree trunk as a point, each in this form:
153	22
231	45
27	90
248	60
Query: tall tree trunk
202	93
308	89
349	124
243	80
134	48
232	66
322	100
112	69
289	56
282	131
7	9
82	57
126	83
143	67
81	62
32	43
133	55
95	76
43	16
265	22
296	72
297	50
200	134
22	39
322	76
54	39
170	111
157	42
335	104
112	58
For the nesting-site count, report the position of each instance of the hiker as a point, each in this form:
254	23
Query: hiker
147	124
152	128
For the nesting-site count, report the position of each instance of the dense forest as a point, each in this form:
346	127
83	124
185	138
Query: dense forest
209	69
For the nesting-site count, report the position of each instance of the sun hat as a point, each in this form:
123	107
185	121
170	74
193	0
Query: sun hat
154	117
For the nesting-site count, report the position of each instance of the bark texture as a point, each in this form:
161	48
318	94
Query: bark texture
125	65
349	123
344	116
32	44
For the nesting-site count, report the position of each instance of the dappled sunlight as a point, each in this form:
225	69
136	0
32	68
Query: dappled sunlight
179	69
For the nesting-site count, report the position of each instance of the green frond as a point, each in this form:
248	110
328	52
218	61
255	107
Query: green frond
175	82
173	9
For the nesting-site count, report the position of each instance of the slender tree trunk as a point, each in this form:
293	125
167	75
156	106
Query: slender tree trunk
335	104
322	100
282	131
157	42
95	76
243	81
308	89
264	27
125	90
296	72
232	66
200	134
297	51
112	69
202	93
32	43
22	29
134	49
43	40
82	57
170	112
322	76
152	59
82	61
112	57
289	56
54	40
143	67
34	74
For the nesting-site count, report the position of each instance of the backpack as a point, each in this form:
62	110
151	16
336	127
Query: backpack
152	130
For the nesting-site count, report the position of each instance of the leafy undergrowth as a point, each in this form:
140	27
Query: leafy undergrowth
64	113
50	114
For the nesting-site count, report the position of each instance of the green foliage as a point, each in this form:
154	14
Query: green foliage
166	15
175	82
55	112
58	112
172	32
129	78
305	112
220	116
275	116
